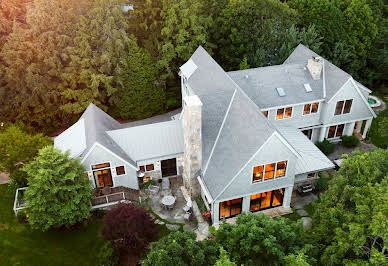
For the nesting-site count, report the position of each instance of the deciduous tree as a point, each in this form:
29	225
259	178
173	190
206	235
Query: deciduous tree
58	193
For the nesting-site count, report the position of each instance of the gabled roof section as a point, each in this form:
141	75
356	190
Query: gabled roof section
150	141
261	84
335	77
311	158
72	139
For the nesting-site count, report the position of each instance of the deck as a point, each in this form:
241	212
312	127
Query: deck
116	195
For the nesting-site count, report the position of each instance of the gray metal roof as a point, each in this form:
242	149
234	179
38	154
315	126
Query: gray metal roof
311	158
230	122
150	141
72	139
261	84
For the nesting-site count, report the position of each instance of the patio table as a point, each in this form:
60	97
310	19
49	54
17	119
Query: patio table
168	201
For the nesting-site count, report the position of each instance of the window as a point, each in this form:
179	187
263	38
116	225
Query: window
265	113
101	165
284	113
335	131
230	208
120	170
310	108
343	107
148	167
308	133
266	200
258	173
311	175
268	171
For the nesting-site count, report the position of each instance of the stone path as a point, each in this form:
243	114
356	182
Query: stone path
339	150
4	178
203	227
300	203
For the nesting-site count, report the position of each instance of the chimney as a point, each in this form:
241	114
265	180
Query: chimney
314	65
192	135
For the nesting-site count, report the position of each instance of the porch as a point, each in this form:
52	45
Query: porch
111	196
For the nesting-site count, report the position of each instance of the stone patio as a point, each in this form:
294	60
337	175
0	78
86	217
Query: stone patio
339	150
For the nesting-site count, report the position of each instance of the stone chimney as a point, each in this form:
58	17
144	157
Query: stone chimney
314	65
192	134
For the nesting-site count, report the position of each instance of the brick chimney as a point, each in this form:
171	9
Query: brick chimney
192	134
314	65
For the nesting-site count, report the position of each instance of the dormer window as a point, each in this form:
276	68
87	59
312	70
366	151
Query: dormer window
310	108
343	107
284	113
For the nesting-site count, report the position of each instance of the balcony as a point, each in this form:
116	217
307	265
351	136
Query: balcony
111	196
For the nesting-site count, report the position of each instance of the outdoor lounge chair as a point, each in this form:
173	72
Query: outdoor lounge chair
165	184
153	189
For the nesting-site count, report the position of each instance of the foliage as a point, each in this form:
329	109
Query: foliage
250	28
129	228
58	192
259	239
297	260
180	248
325	146
322	183
21	245
17	147
146	184
244	64
224	259
106	256
378	130
351	218
184	28
350	141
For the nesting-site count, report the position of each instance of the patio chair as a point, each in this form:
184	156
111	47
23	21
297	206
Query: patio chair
153	189
165	184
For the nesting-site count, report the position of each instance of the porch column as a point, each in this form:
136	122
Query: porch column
246	203
287	197
358	126
367	125
350	128
322	133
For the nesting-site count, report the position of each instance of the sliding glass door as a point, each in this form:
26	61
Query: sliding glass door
230	208
266	200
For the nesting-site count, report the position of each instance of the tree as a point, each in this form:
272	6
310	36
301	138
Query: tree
58	192
224	259
247	27
180	248
184	28
129	228
259	239
34	57
138	94
17	147
350	222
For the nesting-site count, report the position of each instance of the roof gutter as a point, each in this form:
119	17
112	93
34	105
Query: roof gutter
204	188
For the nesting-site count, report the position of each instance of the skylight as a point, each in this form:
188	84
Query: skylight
281	92
307	87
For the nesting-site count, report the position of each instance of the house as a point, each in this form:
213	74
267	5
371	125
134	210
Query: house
243	140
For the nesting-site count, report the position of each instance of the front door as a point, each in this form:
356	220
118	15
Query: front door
168	167
103	178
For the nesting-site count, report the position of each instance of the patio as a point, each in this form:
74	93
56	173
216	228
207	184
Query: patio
116	195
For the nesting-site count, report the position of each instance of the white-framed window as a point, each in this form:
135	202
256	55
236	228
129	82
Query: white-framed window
147	167
343	107
310	108
335	131
282	113
120	170
269	171
311	175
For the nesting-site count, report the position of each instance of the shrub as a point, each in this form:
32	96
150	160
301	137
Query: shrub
21	216
350	141
129	228
58	192
325	146
146	184
322	183
106	256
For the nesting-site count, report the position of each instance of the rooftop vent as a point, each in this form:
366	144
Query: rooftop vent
281	92
307	87
314	65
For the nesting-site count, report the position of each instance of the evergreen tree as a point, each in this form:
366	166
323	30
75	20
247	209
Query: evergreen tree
58	192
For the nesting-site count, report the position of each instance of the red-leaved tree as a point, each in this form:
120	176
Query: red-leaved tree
129	228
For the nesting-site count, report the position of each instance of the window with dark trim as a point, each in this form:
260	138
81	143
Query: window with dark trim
335	131
310	108
142	168
266	172
266	200
343	107
149	167
348	106
230	208
281	168
258	173
120	170
269	171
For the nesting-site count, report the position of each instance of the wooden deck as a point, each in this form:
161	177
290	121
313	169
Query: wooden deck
117	194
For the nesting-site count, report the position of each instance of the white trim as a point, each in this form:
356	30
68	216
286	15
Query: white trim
311	106
125	170
343	107
284	112
205	190
274	176
363	98
219	132
345	122
335	132
291	105
335	94
242	168
109	151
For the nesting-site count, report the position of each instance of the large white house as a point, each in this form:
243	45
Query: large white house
243	140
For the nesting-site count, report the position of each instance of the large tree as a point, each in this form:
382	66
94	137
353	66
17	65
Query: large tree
17	147
58	193
350	221
34	57
251	28
261	240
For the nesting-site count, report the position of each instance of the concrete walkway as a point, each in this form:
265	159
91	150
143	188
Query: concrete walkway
4	178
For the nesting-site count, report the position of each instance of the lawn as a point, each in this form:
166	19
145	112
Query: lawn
20	245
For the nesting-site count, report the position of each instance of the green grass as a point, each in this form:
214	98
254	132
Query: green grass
20	245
